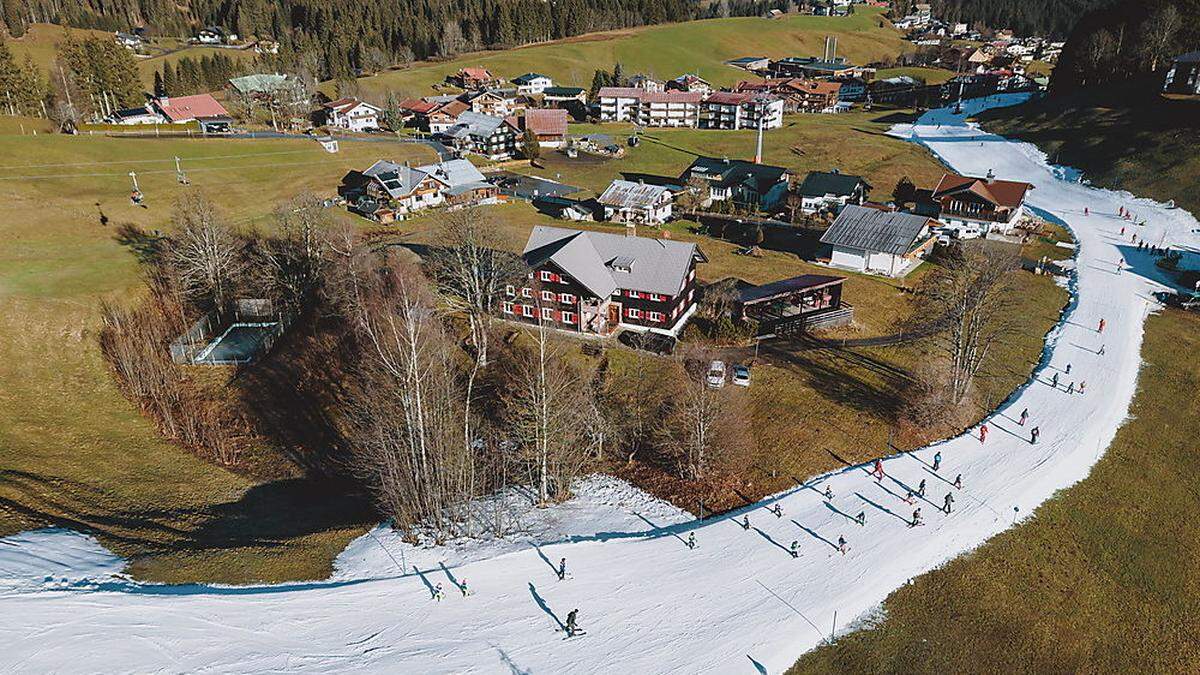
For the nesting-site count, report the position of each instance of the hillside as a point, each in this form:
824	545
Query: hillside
1123	137
700	47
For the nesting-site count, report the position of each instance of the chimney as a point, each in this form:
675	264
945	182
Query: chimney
630	228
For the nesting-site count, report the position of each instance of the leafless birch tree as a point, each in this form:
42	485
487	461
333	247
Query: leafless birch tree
973	296
205	254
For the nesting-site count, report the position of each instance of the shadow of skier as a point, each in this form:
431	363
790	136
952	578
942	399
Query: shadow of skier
541	602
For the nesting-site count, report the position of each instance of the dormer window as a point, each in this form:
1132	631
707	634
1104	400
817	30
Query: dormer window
622	263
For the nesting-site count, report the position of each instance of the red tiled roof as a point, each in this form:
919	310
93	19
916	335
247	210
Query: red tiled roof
1007	193
819	87
453	108
418	106
184	108
547	122
475	73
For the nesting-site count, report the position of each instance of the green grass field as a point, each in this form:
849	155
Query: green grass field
1099	580
664	51
76	453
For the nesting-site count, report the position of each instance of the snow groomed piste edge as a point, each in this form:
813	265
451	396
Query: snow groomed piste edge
737	602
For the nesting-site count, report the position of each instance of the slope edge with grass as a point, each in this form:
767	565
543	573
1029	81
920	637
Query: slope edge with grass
1098	581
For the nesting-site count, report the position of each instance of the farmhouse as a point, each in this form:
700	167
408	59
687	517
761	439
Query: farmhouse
597	282
548	125
790	89
144	115
1184	75
445	115
690	82
470	78
494	102
215	35
739	181
625	201
878	242
200	108
531	84
650	108
129	40
351	114
401	189
985	204
831	191
492	137
816	95
741	110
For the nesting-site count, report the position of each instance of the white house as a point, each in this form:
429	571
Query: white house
352	114
531	84
980	204
625	201
875	241
831	191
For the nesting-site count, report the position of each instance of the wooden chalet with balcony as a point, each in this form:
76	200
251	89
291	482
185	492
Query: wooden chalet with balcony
597	283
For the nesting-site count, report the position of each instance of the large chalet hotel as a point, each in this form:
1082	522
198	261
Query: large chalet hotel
597	282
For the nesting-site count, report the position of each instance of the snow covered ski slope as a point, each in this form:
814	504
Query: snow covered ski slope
738	602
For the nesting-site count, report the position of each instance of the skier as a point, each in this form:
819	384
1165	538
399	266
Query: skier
947	502
1122	230
1054	381
958	481
937	460
878	472
795	549
1101	330
1082	385
842	547
778	510
1071	388
1120	265
1068	369
572	626
1024	416
691	540
438	593
828	493
1033	435
1101	352
562	569
982	433
921	489
746	523
1085	210
908	497
861	518
916	519
462	586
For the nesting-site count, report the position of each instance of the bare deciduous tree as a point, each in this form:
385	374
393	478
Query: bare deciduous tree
549	415
205	254
973	296
299	255
407	437
1156	35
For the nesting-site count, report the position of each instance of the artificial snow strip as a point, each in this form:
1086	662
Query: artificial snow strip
736	602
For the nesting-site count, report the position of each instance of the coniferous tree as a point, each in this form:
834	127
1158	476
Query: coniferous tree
168	80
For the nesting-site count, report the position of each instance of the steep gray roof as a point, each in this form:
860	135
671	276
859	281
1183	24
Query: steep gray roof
475	124
655	265
628	194
457	174
867	229
398	180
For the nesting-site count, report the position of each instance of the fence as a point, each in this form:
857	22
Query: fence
193	347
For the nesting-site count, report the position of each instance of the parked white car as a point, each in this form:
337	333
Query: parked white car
741	376
716	375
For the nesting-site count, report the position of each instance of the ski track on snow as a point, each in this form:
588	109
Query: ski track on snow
737	603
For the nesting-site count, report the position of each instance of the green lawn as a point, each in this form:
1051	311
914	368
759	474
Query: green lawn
927	75
664	51
76	453
1099	580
